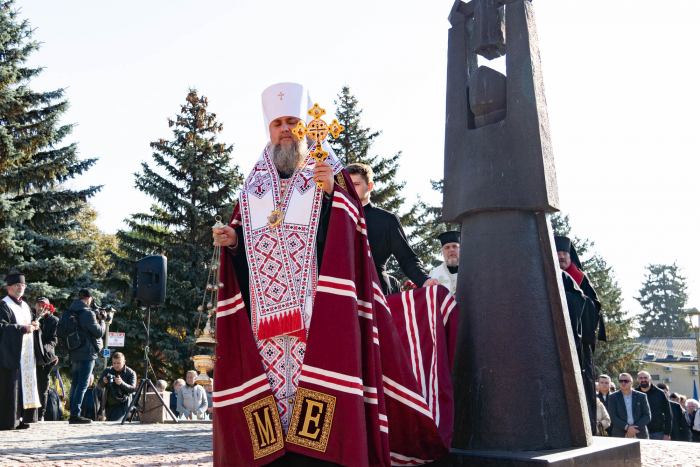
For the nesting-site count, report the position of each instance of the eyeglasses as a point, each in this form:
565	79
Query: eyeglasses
623	381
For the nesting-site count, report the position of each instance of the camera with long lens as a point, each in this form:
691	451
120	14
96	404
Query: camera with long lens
105	314
110	378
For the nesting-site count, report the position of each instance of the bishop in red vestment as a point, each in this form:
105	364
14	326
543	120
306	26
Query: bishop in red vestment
310	360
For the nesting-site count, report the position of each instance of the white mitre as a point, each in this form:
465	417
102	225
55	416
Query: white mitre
285	100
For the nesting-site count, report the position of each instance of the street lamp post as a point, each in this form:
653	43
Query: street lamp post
694	316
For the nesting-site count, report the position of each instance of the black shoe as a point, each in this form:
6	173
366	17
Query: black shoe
79	420
22	426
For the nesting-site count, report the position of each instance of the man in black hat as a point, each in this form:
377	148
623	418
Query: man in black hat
91	328
591	319
20	347
446	273
385	235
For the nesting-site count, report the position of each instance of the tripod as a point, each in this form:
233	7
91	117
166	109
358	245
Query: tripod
145	382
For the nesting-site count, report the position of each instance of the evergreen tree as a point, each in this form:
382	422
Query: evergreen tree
199	183
562	228
37	213
428	225
663	297
353	145
614	356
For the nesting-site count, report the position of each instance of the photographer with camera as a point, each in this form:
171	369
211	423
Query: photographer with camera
119	383
84	342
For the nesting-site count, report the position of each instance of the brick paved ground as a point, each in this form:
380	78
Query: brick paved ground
108	443
169	445
670	454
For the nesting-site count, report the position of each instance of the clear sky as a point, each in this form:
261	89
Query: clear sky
620	80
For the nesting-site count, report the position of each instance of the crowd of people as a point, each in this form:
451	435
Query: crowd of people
647	411
28	359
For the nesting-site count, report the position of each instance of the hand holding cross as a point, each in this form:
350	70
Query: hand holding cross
317	130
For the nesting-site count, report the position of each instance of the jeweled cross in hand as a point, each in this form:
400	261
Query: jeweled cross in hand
317	130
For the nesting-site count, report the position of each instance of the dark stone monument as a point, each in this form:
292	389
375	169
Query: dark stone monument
519	396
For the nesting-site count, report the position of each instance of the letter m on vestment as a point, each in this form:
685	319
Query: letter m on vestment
264	426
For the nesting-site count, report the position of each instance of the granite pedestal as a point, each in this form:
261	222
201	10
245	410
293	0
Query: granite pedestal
608	452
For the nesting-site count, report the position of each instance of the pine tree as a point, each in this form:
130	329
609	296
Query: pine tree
428	225
37	212
562	228
353	145
614	356
663	297
199	184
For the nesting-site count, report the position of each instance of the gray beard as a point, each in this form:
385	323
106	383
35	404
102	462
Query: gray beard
452	262
288	159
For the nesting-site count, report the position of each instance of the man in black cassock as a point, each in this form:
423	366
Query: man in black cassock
386	236
591	320
20	349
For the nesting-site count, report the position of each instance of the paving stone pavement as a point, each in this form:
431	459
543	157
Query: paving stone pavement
670	454
108	443
190	443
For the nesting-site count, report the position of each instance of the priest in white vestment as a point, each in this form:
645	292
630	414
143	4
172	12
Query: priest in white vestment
446	273
20	346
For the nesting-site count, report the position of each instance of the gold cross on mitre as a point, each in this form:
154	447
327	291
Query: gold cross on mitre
317	129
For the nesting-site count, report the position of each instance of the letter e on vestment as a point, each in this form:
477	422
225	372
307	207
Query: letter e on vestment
311	421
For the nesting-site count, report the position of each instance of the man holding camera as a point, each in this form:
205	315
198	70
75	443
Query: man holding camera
119	383
91	328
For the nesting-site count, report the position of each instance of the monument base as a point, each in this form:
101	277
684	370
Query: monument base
608	452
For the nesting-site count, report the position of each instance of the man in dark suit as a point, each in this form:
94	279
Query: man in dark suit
680	428
604	397
629	411
385	235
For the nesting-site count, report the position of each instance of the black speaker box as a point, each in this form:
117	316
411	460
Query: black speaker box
150	275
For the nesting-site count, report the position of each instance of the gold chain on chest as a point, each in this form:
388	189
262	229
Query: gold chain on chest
277	215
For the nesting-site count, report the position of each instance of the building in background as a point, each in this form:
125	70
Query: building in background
673	361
